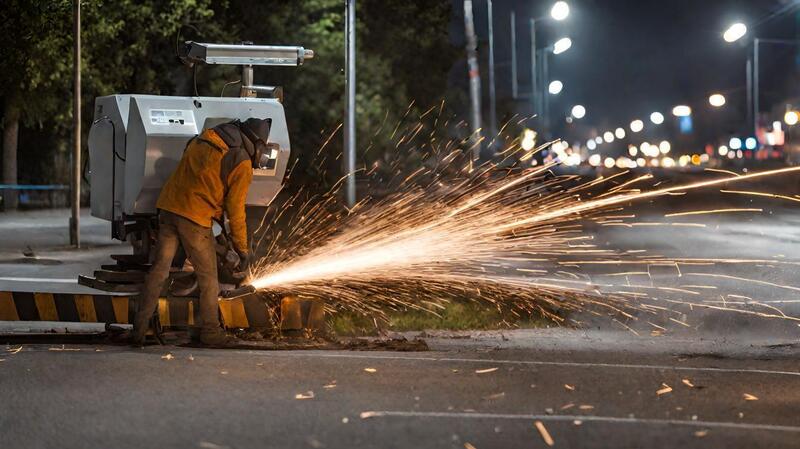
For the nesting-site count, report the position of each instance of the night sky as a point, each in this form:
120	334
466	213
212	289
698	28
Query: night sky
632	57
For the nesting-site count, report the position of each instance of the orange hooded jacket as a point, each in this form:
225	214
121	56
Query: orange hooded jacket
210	178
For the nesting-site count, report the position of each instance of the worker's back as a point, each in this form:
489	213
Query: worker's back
195	189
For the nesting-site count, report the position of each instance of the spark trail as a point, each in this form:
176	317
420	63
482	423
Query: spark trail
441	240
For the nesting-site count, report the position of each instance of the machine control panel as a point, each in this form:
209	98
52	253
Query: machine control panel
171	117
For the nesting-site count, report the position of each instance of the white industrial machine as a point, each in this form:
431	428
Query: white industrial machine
136	141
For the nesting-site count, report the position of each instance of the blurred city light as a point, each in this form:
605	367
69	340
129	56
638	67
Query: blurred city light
751	143
595	160
562	45
608	136
735	143
578	111
609	162
598	140
664	147
528	140
717	100
657	118
791	118
619	133
681	111
667	162
735	32
641	162
632	150
637	126
591	145
555	87
560	11
723	150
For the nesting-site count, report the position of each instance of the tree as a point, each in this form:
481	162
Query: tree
36	71
128	46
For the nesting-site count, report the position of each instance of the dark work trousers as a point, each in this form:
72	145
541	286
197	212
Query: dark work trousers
198	242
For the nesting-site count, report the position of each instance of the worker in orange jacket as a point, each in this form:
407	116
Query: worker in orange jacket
212	177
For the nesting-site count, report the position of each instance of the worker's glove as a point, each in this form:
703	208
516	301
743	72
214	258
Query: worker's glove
245	261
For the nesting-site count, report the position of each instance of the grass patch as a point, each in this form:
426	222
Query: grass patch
456	316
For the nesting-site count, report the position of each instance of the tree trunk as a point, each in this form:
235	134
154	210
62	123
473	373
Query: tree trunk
11	115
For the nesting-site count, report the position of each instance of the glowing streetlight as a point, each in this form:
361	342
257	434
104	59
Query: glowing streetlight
637	126
562	45
608	136
751	143
681	111
578	111
560	11
619	133
598	140
735	143
791	118
555	87
717	100
657	118
591	145
664	147
735	32
723	150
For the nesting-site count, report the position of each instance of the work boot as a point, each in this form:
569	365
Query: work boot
216	337
140	325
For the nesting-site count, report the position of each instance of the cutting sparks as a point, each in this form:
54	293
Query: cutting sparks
514	238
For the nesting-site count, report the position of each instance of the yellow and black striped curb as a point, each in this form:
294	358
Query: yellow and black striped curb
243	312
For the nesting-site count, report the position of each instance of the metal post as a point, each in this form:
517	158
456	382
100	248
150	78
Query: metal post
535	85
474	80
492	91
350	102
514	85
749	69
74	221
545	90
756	87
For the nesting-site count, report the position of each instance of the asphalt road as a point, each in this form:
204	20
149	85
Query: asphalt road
726	379
589	390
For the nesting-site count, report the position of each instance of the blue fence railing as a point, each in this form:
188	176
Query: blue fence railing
37	195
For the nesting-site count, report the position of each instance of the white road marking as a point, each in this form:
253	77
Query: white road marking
584	418
543	363
55	280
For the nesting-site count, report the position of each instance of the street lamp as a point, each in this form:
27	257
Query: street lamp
717	100
637	126
562	45
791	118
681	111
657	118
560	11
578	111
555	87
735	32
620	133
608	136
